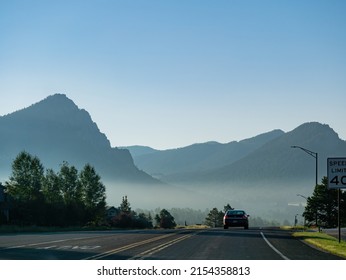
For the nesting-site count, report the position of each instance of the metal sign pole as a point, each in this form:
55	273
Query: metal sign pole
336	173
339	223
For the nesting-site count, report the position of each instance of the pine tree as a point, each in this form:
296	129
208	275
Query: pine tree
322	206
214	218
165	219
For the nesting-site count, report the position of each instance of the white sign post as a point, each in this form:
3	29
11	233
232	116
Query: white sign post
336	173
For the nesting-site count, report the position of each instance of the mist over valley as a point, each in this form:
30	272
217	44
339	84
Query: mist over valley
262	174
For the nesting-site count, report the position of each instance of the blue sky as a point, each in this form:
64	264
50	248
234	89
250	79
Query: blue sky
168	74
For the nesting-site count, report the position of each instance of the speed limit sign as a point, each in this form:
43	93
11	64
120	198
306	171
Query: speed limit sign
336	173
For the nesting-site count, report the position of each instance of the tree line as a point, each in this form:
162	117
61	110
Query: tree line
69	197
48	198
125	217
77	198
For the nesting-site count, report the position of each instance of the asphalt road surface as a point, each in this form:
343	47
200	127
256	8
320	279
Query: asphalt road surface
335	232
209	244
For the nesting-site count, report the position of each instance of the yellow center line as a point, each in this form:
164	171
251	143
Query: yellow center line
127	247
160	247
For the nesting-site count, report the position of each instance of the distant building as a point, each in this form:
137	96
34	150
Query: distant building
111	212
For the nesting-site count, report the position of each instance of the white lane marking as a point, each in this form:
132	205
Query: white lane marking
275	250
69	247
49	242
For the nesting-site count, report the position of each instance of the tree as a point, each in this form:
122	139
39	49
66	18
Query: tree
25	188
227	207
25	183
125	205
165	219
70	186
64	198
126	217
322	206
143	221
93	194
51	188
72	195
214	218
54	214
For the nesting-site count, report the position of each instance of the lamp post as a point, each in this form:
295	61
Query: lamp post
295	220
314	155
306	201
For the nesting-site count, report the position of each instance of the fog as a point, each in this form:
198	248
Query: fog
272	203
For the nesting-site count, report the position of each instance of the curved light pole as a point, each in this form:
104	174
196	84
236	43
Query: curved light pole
314	155
302	196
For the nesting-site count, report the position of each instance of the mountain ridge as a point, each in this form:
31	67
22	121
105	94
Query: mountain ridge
262	173
265	158
56	130
199	156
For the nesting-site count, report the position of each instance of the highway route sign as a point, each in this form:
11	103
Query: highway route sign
336	172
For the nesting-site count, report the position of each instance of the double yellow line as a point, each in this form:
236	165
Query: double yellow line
127	247
160	247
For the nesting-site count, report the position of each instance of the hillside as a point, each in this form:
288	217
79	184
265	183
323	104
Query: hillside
265	180
197	157
262	174
56	130
276	162
264	159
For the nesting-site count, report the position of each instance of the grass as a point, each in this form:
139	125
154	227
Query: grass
323	241
196	227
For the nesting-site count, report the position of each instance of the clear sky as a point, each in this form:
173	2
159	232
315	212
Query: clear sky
171	73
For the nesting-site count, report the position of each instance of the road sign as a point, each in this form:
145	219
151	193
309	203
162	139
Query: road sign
336	173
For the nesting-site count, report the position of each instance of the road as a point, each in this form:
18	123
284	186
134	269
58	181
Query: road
335	232
209	244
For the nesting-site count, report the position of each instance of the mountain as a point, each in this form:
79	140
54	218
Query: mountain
276	162
264	159
56	130
263	174
197	157
137	151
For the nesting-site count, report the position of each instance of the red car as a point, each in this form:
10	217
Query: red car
236	218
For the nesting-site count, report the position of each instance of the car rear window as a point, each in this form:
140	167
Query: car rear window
234	212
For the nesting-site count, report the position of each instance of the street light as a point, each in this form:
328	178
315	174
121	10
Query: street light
295	220
303	196
314	155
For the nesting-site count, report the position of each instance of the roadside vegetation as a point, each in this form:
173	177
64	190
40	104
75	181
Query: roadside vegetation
323	241
39	197
322	211
35	199
322	207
